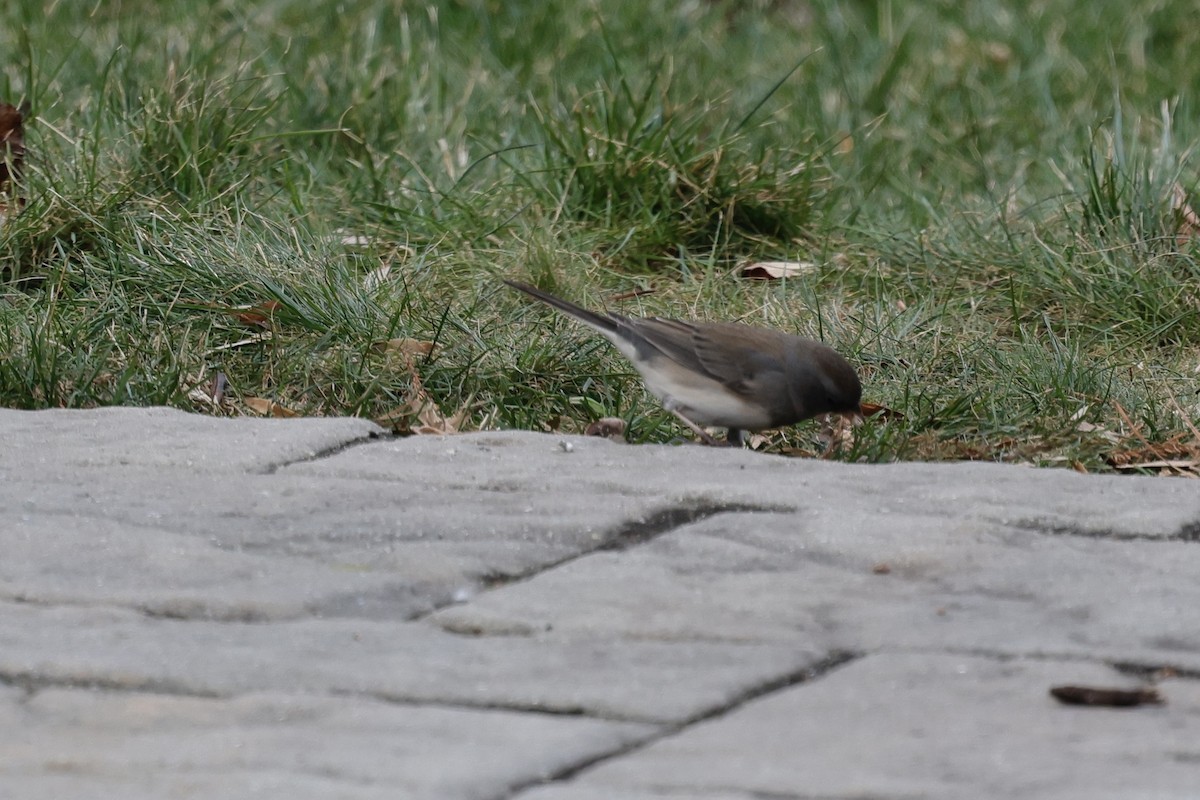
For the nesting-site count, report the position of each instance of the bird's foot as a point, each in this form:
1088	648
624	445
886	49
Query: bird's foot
705	436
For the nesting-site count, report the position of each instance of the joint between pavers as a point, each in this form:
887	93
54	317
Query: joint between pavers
668	519
320	455
506	708
1154	671
812	672
631	534
1137	669
1189	532
31	683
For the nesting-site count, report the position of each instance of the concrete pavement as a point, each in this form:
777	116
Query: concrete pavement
194	607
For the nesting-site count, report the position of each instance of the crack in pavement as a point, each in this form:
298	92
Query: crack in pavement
623	537
1143	670
1189	532
632	534
580	711
320	455
809	674
668	519
1153	672
31	683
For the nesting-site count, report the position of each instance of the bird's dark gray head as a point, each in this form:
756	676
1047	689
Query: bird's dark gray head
822	382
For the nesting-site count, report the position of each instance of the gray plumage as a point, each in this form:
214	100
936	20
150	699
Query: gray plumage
725	374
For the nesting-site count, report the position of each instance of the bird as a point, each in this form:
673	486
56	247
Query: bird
725	374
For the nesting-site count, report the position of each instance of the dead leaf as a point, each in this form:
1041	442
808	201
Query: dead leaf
419	407
353	239
631	294
12	142
12	155
1189	221
262	315
1104	696
4	210
267	408
774	270
837	433
412	347
376	277
218	386
211	393
882	568
426	415
1098	430
1178	455
757	441
883	412
608	427
257	338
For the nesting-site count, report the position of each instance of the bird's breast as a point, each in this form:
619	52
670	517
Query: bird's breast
702	399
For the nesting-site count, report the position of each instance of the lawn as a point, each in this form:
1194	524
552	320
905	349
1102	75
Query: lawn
289	207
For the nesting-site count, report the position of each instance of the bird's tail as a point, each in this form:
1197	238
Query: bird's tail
604	323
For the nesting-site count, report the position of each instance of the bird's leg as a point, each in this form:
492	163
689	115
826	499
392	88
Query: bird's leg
736	437
696	429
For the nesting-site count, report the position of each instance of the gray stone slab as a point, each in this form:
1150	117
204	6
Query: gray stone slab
411	662
95	744
212	574
325	545
53	560
936	727
815	579
592	470
575	791
59	441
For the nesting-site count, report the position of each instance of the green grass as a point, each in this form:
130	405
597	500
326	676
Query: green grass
986	190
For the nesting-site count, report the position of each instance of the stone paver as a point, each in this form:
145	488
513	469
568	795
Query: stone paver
199	607
930	726
122	745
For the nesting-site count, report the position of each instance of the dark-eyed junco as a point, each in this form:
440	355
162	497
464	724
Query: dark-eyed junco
726	374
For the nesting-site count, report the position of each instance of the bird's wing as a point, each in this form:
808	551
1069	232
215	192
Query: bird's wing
672	339
719	351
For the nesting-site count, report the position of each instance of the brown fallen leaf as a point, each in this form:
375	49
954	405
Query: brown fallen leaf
353	239
5	210
262	315
426	415
376	277
1179	455
12	142
1105	696
608	427
420	408
412	347
12	155
883	412
1189	221
631	294
268	408
882	568
217	387
837	433
211	393
774	270
757	441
